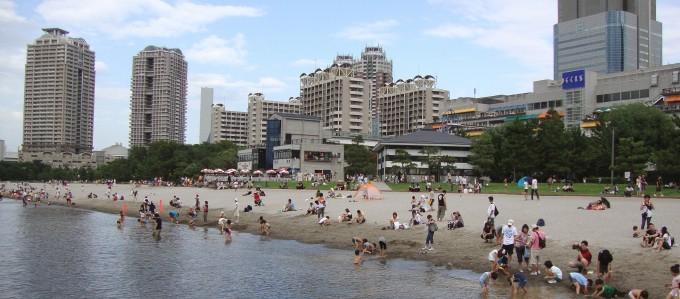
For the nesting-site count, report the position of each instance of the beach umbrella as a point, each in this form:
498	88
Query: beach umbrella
231	170
283	171
606	202
219	170
520	182
245	171
271	171
257	172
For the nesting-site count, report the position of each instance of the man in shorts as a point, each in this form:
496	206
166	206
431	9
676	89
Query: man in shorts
535	249
509	234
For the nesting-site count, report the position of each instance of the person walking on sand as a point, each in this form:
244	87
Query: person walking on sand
205	212
441	202
534	189
431	228
197	207
646	211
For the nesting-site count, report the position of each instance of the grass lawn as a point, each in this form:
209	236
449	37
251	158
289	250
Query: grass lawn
589	189
292	184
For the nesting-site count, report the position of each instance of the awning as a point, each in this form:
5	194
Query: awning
464	110
588	124
545	114
520	117
672	98
474	133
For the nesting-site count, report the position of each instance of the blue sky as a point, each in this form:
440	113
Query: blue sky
237	47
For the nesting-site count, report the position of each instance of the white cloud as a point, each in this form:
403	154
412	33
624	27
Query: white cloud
100	66
8	12
379	31
216	50
139	18
236	89
668	15
520	29
305	62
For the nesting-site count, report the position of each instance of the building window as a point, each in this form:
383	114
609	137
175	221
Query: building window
676	77
655	80
318	156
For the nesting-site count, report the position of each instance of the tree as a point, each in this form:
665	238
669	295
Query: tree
404	158
432	159
632	156
549	152
485	154
358	139
360	160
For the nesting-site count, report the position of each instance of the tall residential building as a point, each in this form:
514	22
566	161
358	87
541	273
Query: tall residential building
260	110
606	36
3	149
159	96
377	69
58	94
408	106
206	119
229	126
339	98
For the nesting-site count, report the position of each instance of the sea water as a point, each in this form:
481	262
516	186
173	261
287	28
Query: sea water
57	252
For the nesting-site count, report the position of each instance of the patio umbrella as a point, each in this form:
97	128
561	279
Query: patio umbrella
257	172
271	171
245	171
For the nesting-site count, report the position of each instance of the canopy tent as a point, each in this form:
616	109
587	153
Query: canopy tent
368	191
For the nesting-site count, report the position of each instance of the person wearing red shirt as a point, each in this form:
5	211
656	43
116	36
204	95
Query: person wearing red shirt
584	256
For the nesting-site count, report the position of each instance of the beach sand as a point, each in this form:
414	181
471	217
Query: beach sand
633	266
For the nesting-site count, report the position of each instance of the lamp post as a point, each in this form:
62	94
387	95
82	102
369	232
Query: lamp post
611	178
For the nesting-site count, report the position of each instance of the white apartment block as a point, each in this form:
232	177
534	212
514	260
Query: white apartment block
339	98
260	110
58	94
205	132
408	106
229	126
159	96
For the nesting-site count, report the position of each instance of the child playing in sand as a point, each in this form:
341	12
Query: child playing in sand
605	290
636	232
552	273
325	221
638	294
675	283
383	246
580	282
484	280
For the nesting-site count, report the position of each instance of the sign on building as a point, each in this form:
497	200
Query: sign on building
574	79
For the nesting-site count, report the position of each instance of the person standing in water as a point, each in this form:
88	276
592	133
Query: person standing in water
158	226
205	212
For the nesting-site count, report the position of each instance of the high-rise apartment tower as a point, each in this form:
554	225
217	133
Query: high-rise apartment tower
58	94
159	96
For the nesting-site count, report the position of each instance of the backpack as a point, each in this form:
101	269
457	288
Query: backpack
541	241
605	256
434	227
540	222
495	212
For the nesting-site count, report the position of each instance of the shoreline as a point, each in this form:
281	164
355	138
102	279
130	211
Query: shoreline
461	248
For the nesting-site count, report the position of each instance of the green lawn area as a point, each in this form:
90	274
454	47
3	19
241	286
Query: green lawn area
589	189
292	184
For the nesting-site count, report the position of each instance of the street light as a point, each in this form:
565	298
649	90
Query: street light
611	165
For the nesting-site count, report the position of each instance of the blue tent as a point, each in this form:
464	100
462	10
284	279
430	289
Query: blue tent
520	182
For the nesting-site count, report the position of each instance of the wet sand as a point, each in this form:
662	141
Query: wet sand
633	266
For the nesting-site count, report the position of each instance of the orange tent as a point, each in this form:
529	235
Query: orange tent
368	191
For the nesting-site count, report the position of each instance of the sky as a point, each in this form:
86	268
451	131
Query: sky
238	47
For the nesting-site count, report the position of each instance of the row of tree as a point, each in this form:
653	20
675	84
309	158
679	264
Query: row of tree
167	160
645	139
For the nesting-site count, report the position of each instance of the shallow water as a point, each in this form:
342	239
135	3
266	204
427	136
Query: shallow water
55	252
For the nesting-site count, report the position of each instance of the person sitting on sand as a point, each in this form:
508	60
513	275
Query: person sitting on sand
289	207
346	216
649	239
488	232
664	241
325	221
394	219
584	257
357	242
361	218
418	219
456	221
312	209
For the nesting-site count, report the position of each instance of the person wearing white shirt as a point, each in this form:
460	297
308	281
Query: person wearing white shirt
509	233
534	189
491	211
